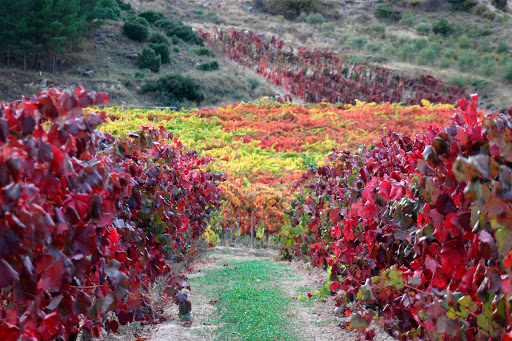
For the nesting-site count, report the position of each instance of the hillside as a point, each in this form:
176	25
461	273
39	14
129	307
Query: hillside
476	54
107	61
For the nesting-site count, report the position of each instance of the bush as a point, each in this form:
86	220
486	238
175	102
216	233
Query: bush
203	51
211	66
408	53
485	46
135	31
465	42
198	12
176	88
420	43
315	19
389	51
142	21
423	29
159	38
507	73
161	50
501	4
111	11
290	9
124	6
387	12
180	30
329	27
428	56
378	28
253	83
442	27
152	16
488	68
139	74
502	48
373	47
148	59
450	53
467	61
445	63
408	19
359	42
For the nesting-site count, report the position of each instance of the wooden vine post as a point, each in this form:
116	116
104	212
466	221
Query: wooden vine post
252	229
238	234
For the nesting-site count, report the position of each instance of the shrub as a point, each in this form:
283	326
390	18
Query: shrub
442	27
314	18
507	73
373	47
140	74
290	9
420	43
159	38
503	47
408	53
203	51
445	63
488	67
480	9
359	42
130	15
211	66
436	47
467	61
501	4
329	27
123	5
253	83
408	19
152	16
428	56
176	88
148	59
378	28
423	29
465	42
450	53
198	12
180	30
135	31
387	12
389	50
485	46
142	21
111	11
489	15
174	40
161	50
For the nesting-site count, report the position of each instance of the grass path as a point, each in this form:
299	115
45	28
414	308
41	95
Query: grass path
249	302
243	294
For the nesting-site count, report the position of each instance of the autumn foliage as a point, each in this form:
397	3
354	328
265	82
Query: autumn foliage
418	229
87	219
318	75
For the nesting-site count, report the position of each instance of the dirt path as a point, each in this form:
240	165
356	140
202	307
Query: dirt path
311	318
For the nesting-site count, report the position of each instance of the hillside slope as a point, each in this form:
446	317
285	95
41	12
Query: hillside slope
106	61
476	54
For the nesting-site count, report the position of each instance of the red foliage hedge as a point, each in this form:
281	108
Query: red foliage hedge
419	229
85	219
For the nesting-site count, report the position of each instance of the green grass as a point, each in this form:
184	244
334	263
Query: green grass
250	304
